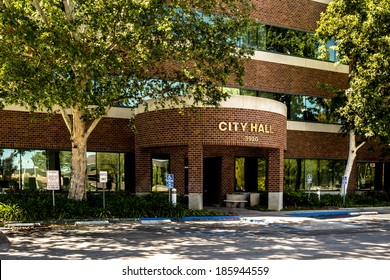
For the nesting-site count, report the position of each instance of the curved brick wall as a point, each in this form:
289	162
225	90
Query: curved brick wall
252	126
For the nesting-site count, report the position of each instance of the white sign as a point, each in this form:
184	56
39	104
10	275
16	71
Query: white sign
344	180
103	177
53	180
309	179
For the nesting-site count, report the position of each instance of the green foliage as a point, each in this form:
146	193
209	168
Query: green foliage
38	206
88	56
300	200
361	29
107	52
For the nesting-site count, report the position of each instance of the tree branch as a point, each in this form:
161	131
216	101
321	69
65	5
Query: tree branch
4	4
69	9
37	6
361	144
96	122
67	120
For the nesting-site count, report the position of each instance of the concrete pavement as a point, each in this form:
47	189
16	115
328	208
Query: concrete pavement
269	235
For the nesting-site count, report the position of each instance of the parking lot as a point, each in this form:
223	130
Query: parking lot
265	236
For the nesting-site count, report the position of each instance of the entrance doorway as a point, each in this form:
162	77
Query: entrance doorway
211	180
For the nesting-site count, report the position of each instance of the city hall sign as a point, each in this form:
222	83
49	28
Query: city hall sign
245	127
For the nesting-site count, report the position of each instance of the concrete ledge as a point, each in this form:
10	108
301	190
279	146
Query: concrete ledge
89	223
154	221
23	224
195	201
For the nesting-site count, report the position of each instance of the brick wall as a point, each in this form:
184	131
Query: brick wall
199	136
322	145
169	128
21	130
276	77
299	14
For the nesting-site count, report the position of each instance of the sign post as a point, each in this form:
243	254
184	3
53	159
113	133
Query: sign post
170	178
344	183
53	182
309	182
103	178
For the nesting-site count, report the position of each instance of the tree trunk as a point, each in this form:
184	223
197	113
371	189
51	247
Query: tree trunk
77	190
351	157
79	139
79	132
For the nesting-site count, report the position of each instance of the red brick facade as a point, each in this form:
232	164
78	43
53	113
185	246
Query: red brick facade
274	77
222	133
210	132
26	131
299	14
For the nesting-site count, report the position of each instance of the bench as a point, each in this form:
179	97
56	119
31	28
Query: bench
234	203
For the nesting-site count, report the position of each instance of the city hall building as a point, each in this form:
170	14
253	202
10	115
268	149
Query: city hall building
268	137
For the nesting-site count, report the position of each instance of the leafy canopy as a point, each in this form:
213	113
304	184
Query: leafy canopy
74	54
361	29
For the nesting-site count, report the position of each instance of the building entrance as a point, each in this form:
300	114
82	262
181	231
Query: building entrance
211	180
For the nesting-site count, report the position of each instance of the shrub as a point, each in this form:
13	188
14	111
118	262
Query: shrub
301	200
38	206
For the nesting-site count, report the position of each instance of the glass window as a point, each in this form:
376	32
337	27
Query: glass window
250	174
240	174
160	168
91	171
231	90
26	169
325	173
66	168
297	107
9	166
293	174
366	176
261	174
112	163
33	166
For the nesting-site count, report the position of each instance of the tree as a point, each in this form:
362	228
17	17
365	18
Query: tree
79	58
361	29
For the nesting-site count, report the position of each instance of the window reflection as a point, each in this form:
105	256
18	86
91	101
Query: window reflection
34	166
160	168
326	174
113	163
65	168
9	159
299	107
366	176
250	174
264	37
26	169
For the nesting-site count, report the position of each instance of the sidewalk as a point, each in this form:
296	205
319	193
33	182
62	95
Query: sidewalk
293	220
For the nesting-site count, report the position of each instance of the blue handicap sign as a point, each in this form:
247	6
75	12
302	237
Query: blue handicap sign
169	177
169	181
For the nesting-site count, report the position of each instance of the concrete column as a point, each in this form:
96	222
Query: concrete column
275	201
195	201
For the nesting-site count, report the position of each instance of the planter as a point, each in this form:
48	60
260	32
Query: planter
254	199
